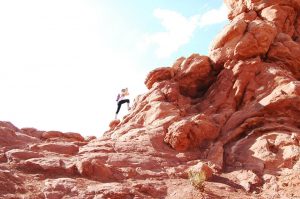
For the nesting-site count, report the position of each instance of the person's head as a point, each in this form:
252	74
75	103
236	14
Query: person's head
124	90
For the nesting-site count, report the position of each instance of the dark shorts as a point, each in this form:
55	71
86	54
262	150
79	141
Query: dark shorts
120	104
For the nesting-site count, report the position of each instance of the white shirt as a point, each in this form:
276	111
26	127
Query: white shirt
122	96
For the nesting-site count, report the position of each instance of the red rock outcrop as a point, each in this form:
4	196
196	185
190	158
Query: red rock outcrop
236	111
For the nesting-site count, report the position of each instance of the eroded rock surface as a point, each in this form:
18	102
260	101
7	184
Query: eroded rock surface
236	110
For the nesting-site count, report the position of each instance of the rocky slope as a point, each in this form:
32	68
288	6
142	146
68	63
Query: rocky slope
236	110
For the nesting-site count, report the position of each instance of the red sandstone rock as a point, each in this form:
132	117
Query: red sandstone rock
90	138
8	137
32	132
159	74
285	52
95	169
58	188
51	165
10	183
61	148
237	109
9	125
282	16
256	41
52	134
193	75
113	124
223	46
74	136
241	40
178	63
247	179
203	169
297	29
19	154
240	6
191	132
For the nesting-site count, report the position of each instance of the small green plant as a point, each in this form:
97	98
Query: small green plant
197	179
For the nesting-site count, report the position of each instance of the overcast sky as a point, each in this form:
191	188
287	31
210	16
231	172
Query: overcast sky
62	62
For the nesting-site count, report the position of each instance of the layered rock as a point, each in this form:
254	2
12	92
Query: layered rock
236	111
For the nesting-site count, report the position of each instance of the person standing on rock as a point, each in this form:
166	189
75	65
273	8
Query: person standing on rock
122	98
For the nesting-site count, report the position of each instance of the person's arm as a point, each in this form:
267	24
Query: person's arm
118	97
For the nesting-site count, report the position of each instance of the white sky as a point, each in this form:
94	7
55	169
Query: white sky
59	70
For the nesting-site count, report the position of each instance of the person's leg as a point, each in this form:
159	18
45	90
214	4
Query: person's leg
118	109
128	102
120	104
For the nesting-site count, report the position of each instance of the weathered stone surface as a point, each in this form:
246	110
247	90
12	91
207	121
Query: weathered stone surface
20	154
60	188
51	165
297	29
240	6
60	148
247	179
32	132
238	110
95	169
52	134
256	41
282	16
191	132
242	40
224	45
90	138
10	183
74	136
113	124
193	75
285	52
203	169
157	75
270	151
9	125
9	137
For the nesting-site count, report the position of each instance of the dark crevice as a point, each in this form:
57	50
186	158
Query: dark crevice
272	148
226	181
241	100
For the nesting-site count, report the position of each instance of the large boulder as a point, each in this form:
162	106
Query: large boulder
157	75
243	40
9	137
285	51
191	132
193	75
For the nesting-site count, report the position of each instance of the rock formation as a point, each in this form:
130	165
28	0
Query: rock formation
237	111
